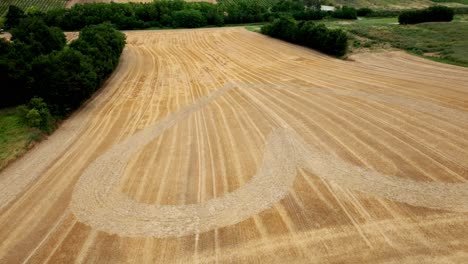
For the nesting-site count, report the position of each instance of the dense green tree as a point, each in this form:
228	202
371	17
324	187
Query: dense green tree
15	67
288	6
345	12
212	13
166	13
37	114
365	11
244	11
188	18
64	78
307	33
42	39
431	14
283	28
37	63
103	44
13	16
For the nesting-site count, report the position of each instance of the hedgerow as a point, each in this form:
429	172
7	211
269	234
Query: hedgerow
309	34
431	14
177	13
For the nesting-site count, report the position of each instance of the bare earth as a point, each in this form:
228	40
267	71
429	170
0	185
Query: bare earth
223	145
6	36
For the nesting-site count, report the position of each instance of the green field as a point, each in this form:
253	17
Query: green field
445	42
15	136
42	5
395	4
377	4
465	2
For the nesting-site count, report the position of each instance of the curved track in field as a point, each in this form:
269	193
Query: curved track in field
383	114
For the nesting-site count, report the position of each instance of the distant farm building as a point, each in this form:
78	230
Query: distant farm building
327	8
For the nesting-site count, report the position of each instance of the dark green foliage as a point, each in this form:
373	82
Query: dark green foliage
345	13
13	17
178	13
284	28
102	44
31	38
75	73
431	14
385	13
42	39
37	63
365	11
316	36
15	59
288	6
244	11
136	15
212	13
188	18
81	15
33	118
394	13
37	114
309	15
64	78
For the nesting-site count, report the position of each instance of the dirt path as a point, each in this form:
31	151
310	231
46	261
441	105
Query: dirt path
222	145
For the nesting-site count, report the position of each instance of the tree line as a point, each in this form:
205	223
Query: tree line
177	13
37	63
309	34
431	14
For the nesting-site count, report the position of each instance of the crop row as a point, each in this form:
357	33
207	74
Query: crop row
42	5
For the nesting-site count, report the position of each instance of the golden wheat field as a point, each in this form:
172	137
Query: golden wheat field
226	146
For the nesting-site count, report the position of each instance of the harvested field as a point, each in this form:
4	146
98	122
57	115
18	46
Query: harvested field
223	145
6	36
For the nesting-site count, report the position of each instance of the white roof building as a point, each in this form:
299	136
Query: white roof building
327	8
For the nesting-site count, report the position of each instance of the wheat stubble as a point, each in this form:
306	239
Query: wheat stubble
395	123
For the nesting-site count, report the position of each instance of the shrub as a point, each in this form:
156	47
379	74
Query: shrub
431	14
365	11
316	36
13	16
36	114
384	13
345	13
283	28
188	18
309	15
33	118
